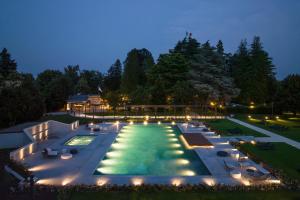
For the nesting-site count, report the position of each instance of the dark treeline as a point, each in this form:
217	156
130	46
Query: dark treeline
190	73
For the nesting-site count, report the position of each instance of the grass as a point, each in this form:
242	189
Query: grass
283	157
224	127
208	195
290	126
68	119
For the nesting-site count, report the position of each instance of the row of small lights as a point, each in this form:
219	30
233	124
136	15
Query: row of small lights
137	181
266	117
145	122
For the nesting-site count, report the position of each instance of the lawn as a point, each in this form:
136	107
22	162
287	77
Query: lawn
227	128
208	195
287	127
67	119
283	157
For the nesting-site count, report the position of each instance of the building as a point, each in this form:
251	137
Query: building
86	103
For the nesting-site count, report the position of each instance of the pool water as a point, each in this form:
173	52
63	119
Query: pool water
80	140
150	150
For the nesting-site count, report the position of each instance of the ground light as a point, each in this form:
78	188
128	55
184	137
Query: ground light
277	117
158	122
266	117
173	123
209	181
102	181
137	181
145	122
176	181
131	122
249	116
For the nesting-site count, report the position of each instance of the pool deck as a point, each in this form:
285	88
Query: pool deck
80	168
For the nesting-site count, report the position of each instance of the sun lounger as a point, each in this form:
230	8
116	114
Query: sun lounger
230	165
255	174
50	153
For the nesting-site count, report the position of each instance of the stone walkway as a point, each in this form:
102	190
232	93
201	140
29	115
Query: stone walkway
273	137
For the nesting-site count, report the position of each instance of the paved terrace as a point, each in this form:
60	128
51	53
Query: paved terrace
80	168
57	171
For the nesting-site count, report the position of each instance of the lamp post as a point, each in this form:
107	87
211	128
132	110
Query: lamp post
213	105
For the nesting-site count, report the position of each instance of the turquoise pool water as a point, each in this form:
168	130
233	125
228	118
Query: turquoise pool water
150	150
80	140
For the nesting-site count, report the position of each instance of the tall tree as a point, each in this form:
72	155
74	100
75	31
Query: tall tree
241	72
94	80
209	77
112	81
7	65
188	47
72	72
263	69
288	98
55	89
138	61
253	72
169	70
20	101
220	48
82	86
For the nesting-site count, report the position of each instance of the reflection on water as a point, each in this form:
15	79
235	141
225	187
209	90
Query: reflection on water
150	150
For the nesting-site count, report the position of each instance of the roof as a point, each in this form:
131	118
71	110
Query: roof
18	128
196	140
78	98
81	98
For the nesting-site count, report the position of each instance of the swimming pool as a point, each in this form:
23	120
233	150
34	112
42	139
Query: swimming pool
150	150
80	140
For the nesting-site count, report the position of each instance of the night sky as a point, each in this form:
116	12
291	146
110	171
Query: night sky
93	33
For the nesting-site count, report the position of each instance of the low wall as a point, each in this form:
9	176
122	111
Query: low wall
13	140
39	133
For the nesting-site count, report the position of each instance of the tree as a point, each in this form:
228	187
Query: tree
182	93
288	98
82	86
188	47
170	69
220	48
55	89
113	98
7	65
72	72
112	81
253	72
20	102
45	78
137	63
93	79
241	72
209	77
262	71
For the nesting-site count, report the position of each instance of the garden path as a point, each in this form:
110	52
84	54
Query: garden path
273	136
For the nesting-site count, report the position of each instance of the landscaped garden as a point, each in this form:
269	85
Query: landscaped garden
279	156
286	126
229	128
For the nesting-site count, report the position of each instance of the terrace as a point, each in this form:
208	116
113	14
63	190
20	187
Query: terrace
93	145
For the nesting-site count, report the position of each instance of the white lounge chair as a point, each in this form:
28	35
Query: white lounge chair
230	165
50	153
